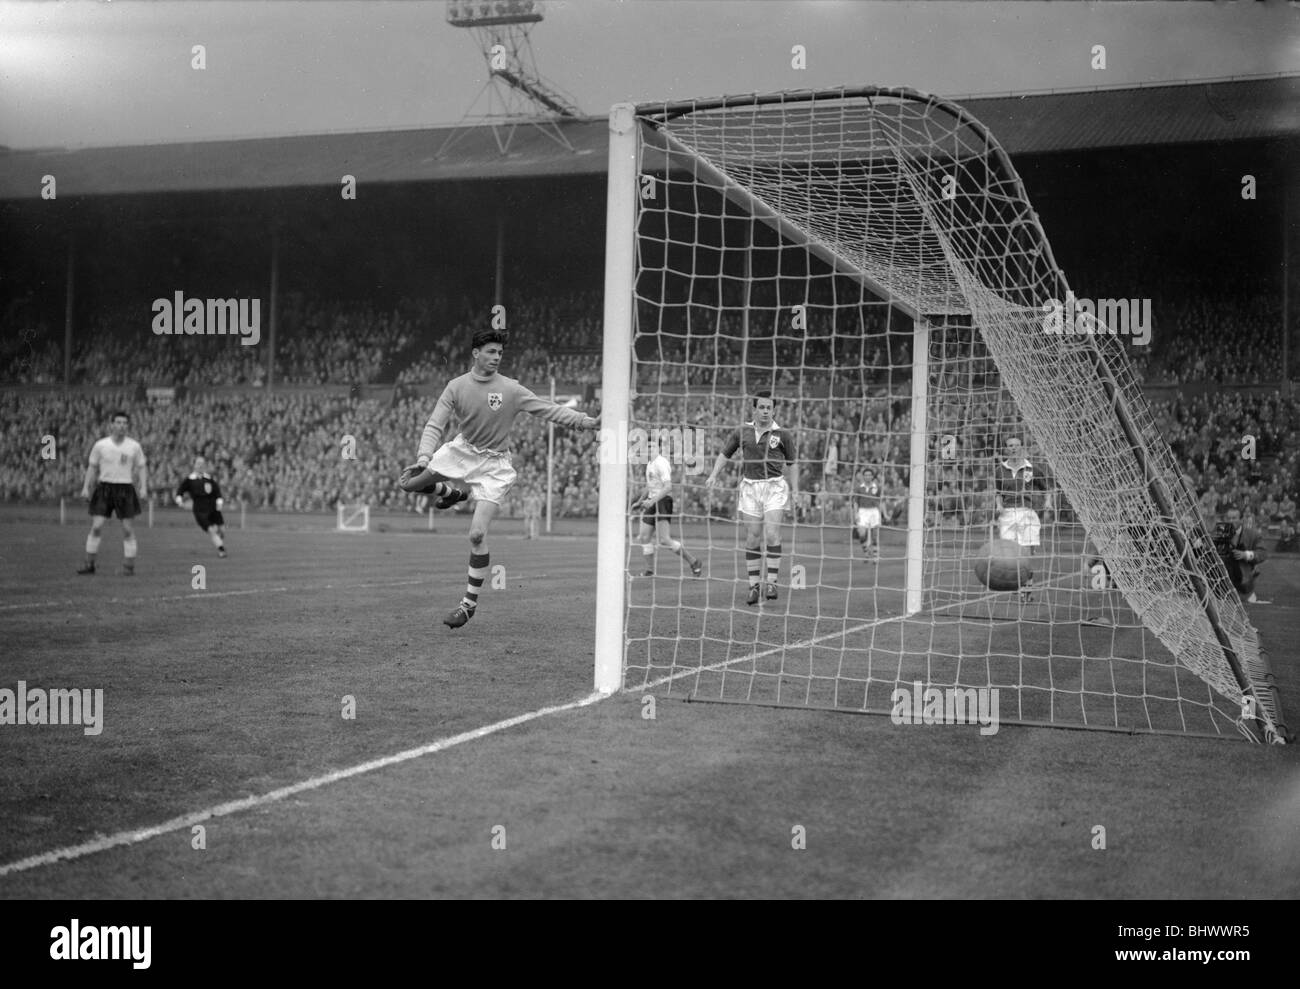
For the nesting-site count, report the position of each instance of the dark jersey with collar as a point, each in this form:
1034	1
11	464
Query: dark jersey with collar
203	490
1016	483
867	494
764	454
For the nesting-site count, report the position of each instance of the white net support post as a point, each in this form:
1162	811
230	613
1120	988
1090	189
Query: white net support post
620	251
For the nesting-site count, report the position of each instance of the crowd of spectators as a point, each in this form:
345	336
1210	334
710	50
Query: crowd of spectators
316	343
845	394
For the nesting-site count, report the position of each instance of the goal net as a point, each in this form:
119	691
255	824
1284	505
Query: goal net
870	257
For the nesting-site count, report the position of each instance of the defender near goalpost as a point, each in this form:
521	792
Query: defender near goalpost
769	481
873	249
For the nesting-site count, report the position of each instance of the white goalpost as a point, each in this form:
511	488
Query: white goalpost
870	256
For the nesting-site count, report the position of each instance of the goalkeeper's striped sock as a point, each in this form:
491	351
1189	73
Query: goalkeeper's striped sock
478	571
754	564
773	563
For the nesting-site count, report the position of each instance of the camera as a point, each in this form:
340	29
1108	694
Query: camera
1224	537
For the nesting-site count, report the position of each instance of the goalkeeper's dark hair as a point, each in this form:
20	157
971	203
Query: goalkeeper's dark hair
482	338
118	413
762	394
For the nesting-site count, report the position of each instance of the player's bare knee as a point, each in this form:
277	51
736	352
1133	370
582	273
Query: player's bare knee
476	537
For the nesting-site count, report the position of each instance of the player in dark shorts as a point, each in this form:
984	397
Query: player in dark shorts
205	493
657	516
116	480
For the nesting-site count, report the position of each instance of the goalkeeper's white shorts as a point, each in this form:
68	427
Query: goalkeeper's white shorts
488	475
868	518
1019	525
757	498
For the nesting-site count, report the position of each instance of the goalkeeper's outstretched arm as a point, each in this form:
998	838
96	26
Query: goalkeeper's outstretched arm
558	414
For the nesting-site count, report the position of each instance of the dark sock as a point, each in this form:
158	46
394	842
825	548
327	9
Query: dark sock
754	564
773	563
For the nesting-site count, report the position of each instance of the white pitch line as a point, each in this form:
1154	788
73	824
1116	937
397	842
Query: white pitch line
208	594
196	595
249	803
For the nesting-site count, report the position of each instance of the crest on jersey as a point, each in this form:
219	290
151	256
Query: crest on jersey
207	487
773	441
494	400
1027	475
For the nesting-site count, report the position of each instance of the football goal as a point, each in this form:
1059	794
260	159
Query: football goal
869	256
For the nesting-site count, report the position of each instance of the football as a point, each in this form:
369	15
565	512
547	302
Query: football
1001	565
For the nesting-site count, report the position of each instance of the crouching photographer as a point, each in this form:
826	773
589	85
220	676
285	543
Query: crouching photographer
1239	548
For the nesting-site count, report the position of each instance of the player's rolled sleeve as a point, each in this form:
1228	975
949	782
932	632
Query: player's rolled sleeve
548	410
733	444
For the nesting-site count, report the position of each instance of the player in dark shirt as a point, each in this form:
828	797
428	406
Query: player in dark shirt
1016	485
868	500
769	482
205	494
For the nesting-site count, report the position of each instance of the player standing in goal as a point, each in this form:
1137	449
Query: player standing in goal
116	480
205	497
485	404
769	481
1017	520
868	497
656	506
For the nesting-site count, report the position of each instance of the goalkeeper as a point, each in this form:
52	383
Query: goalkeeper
485	404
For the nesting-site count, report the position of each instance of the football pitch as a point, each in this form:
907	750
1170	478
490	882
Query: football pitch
303	725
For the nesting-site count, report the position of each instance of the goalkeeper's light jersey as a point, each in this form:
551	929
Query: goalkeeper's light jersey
486	409
765	453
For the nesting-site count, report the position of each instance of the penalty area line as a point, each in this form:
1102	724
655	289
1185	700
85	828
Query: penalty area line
135	836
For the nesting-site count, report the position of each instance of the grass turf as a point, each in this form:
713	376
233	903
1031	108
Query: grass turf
235	690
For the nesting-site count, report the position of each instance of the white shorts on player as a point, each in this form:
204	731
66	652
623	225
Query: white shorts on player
488	475
757	498
1019	525
868	518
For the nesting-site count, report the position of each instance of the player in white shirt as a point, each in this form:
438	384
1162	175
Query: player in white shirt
116	480
656	506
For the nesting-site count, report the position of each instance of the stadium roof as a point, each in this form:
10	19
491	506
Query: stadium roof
1223	110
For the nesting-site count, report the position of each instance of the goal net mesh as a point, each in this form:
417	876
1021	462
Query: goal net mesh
797	243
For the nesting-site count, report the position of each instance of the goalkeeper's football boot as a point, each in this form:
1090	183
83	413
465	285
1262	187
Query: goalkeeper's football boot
459	617
128	569
697	568
753	594
771	592
453	497
86	568
647	573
